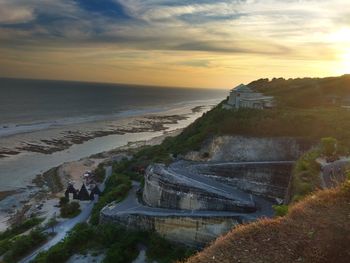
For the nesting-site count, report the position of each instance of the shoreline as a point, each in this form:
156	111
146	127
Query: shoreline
154	127
60	138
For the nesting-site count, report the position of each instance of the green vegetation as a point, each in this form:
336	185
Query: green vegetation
100	173
117	188
163	251
70	210
63	201
18	229
121	245
21	245
329	146
306	93
306	108
52	223
7	237
306	175
280	210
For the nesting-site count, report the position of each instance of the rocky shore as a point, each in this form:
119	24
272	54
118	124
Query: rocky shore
68	138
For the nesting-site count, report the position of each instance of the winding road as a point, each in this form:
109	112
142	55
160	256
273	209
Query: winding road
63	228
181	172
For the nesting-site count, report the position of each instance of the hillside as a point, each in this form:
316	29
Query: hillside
315	230
306	108
307	92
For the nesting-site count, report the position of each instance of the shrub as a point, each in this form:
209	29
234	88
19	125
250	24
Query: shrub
280	210
329	146
18	229
24	244
7	236
70	209
306	175
117	187
63	201
100	173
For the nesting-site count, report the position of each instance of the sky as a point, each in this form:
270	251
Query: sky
203	43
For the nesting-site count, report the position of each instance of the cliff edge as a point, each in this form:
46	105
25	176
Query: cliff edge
315	230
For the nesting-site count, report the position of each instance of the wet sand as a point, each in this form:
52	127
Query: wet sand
79	149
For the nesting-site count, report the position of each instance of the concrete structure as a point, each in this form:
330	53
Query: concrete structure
176	189
194	228
244	97
194	202
250	149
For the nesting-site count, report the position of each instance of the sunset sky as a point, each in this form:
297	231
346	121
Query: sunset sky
204	43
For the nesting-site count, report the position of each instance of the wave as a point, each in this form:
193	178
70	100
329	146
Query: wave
10	129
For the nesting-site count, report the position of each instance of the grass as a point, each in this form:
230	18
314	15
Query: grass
306	175
117	188
22	245
70	210
120	245
7	237
316	229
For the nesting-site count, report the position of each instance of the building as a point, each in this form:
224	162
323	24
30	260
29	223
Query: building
244	97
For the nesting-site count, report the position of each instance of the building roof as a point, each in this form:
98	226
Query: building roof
83	193
242	88
258	98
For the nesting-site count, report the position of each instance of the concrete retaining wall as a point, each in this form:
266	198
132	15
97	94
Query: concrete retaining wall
191	231
240	148
162	193
269	180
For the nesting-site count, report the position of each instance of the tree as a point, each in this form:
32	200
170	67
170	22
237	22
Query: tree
52	223
70	210
329	146
63	201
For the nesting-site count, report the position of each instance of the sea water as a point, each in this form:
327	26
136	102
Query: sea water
31	108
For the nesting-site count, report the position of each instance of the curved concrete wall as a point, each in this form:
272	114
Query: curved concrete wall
191	231
159	192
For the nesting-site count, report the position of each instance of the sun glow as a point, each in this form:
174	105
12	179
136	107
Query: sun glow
341	36
346	61
341	41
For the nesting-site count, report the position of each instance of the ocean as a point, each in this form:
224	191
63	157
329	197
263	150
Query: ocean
29	105
44	124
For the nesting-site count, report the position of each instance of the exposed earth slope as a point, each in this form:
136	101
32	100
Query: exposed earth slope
315	230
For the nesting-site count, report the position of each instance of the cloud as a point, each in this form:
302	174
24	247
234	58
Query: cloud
11	13
264	29
220	26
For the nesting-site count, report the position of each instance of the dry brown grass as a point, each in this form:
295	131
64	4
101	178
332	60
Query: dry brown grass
315	230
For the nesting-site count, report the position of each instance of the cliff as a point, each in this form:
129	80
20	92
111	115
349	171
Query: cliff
315	230
193	231
249	149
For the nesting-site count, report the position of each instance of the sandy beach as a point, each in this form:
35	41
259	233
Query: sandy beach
72	151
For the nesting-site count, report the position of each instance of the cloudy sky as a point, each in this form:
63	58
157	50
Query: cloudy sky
203	43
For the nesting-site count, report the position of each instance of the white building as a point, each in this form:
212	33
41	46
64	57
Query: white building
244	97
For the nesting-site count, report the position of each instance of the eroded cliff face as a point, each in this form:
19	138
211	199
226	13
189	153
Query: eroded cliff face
268	179
248	149
191	231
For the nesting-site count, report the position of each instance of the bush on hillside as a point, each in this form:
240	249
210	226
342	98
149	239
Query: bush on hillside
117	188
329	146
100	173
21	245
280	210
305	175
70	210
63	201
